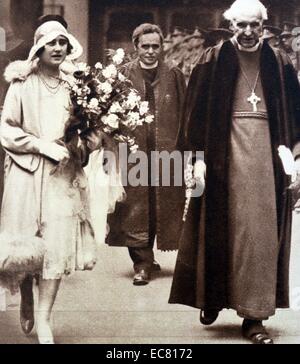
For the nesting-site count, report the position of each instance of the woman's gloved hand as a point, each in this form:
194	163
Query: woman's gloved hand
53	150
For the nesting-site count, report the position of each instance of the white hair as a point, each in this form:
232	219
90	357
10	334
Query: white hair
240	7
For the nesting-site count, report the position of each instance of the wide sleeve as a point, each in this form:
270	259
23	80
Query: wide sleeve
293	99
191	135
181	90
20	145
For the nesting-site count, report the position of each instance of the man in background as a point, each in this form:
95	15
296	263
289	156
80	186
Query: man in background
286	42
271	34
151	211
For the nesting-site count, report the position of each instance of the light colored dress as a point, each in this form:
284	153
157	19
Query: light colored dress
37	201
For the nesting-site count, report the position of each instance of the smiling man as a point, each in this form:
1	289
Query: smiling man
151	211
242	102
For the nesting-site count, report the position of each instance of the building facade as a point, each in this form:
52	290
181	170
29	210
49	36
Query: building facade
101	24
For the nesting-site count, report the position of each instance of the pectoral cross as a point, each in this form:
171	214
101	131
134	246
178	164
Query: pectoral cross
254	99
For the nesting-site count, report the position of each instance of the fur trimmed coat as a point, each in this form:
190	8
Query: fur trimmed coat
39	200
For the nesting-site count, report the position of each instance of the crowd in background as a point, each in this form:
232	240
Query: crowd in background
183	47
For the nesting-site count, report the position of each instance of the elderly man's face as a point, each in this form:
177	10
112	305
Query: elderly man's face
247	29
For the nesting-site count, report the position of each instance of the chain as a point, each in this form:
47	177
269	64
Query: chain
52	89
246	78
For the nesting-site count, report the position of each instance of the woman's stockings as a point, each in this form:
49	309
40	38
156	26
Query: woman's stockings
47	293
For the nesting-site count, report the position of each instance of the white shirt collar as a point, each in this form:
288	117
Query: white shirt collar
243	49
143	65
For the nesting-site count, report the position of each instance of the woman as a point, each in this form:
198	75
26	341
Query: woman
45	193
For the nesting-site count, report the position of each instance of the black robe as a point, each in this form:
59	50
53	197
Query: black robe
206	126
150	210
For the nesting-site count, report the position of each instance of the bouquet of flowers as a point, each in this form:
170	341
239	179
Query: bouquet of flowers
295	188
103	99
289	167
194	184
190	183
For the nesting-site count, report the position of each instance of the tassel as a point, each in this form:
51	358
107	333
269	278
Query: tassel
41	229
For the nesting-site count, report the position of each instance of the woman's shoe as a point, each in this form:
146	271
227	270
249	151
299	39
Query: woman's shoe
256	332
27	306
44	333
26	325
46	340
26	316
207	317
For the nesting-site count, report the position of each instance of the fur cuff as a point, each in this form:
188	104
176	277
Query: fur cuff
21	254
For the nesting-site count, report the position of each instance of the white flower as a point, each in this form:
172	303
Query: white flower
149	119
93	103
120	52
132	100
115	107
134	148
121	77
86	90
117	60
81	66
111	120
134	97
107	130
134	117
105	87
110	71
119	56
104	98
98	66
144	107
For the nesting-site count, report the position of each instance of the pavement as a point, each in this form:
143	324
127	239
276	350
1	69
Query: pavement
103	307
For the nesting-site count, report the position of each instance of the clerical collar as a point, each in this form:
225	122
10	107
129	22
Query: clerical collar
243	49
144	66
